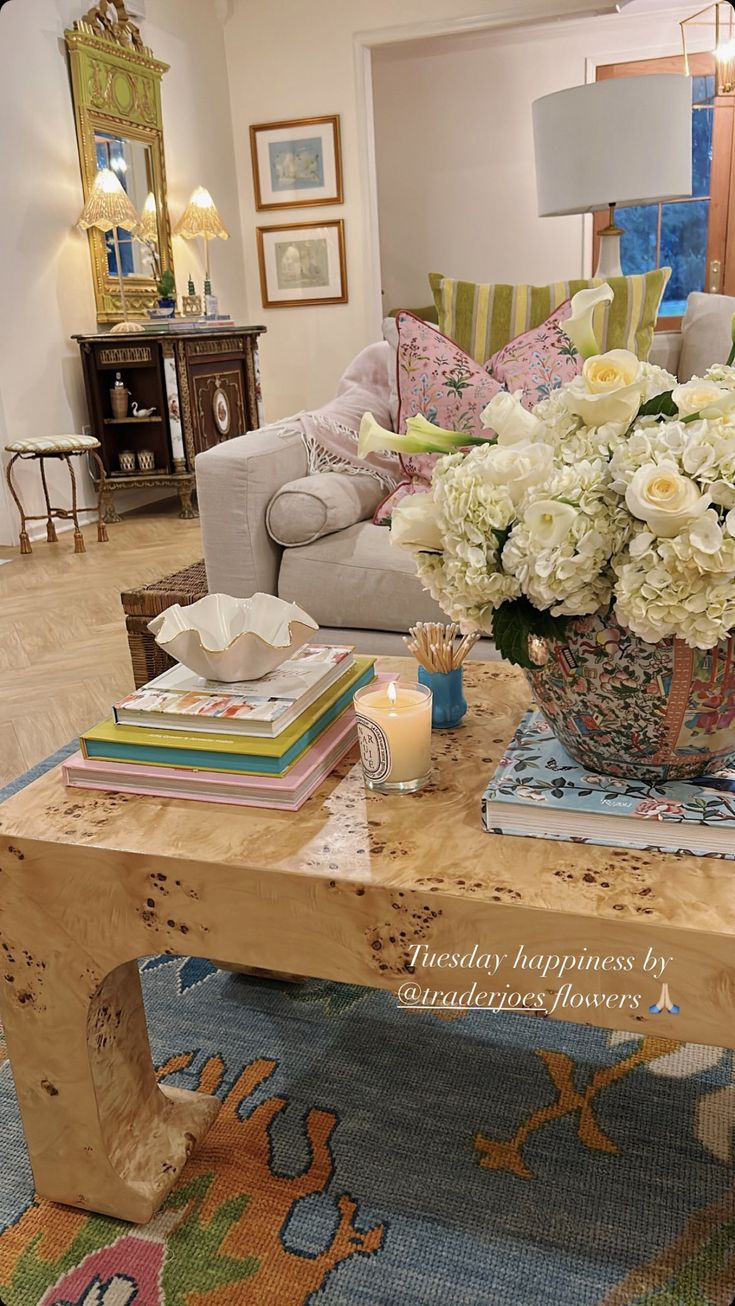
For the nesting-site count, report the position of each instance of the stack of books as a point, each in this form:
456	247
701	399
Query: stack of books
538	790
260	743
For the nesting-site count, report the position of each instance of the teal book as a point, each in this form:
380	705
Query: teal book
539	791
239	754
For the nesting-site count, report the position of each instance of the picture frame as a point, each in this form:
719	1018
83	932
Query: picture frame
297	162
297	262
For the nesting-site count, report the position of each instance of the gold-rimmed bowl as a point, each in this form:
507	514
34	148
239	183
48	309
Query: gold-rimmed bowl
228	639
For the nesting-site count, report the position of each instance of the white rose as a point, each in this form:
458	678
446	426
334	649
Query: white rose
414	524
705	397
548	521
518	466
664	499
609	389
605	373
512	422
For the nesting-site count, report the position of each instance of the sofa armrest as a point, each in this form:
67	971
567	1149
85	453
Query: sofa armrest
236	481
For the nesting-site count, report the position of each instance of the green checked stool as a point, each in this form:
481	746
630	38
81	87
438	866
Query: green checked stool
65	447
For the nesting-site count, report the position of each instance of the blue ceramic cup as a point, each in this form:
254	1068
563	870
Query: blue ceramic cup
448	702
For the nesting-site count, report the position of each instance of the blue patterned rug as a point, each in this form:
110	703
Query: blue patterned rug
370	1157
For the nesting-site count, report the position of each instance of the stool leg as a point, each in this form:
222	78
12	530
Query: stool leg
25	544
50	528
79	546
102	536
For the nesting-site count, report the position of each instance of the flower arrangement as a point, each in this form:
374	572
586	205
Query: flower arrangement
616	494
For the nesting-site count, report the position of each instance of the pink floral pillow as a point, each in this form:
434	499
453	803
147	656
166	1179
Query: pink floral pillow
439	380
538	361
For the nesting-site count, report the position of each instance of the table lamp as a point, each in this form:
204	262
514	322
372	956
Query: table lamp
108	207
200	218
627	140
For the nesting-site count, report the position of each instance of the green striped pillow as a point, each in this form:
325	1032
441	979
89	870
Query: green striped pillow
482	319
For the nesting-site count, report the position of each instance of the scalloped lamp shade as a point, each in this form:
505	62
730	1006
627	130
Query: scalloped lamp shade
200	218
149	220
108	207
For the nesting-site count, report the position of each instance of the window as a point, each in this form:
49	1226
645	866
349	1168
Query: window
689	236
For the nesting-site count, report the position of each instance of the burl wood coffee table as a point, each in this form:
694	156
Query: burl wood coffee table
345	890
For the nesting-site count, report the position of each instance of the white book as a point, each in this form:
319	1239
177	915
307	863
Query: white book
180	700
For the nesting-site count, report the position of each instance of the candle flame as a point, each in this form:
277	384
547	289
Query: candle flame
392	692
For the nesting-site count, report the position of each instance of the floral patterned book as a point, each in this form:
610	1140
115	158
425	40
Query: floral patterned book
539	790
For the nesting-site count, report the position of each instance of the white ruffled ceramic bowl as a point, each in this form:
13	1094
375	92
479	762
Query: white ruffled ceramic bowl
222	638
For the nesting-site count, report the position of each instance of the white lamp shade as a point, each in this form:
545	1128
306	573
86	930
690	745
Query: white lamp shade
623	141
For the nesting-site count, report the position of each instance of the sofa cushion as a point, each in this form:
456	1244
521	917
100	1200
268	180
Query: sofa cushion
356	578
441	382
439	379
539	360
483	318
304	510
705	333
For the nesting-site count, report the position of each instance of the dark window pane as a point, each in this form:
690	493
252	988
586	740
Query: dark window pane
684	250
638	246
702	122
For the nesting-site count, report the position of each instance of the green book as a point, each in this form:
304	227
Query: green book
242	754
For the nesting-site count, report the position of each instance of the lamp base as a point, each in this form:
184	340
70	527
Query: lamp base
608	260
126	328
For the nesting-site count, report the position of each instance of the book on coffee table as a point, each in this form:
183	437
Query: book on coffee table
180	700
246	754
287	793
538	790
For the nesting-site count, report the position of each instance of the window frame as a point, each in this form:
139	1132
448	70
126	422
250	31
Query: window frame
721	228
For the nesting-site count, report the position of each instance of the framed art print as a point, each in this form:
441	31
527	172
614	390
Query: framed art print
296	163
302	264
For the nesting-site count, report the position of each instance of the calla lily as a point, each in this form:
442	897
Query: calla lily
578	327
731	356
421	437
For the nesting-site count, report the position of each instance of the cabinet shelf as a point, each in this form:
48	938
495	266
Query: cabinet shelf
128	421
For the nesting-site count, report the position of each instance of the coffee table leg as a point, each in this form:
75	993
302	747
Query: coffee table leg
101	1134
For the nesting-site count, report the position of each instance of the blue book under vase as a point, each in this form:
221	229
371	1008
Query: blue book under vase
538	790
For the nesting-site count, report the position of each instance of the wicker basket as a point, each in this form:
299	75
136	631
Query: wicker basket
141	605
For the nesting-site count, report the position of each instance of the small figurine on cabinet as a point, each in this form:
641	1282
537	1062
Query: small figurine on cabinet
191	303
142	412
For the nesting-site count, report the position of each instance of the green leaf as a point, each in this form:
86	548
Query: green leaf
660	406
513	625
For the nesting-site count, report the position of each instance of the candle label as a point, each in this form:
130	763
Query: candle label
374	749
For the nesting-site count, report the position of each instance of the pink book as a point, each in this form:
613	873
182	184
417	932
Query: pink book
287	793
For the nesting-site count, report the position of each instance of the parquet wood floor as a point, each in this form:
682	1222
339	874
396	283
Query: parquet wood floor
63	647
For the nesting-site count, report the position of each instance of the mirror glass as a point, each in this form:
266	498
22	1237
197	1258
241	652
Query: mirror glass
132	163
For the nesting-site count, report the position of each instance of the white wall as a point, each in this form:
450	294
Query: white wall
291	59
454	149
44	261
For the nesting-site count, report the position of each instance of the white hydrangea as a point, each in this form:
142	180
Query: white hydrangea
722	374
656	381
467	579
663	589
569	573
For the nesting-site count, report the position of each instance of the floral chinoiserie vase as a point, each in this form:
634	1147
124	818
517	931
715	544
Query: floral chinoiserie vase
653	712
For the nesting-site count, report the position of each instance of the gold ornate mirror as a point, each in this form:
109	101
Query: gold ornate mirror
116	84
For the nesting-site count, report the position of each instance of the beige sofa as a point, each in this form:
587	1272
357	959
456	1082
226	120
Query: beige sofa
352	581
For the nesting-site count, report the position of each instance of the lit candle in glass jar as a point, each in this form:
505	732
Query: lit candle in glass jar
394	726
